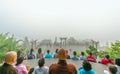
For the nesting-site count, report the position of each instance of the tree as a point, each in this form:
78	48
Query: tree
113	51
93	50
8	43
72	41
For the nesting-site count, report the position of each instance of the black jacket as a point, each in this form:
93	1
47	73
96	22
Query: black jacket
8	69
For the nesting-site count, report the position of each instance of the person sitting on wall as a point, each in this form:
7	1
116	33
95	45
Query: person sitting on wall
67	55
55	54
91	58
82	57
7	67
74	56
48	55
106	60
39	55
31	54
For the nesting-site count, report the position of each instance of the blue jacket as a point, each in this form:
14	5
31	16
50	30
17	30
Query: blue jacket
75	58
48	56
83	71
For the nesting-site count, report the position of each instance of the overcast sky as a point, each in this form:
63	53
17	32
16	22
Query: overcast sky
82	19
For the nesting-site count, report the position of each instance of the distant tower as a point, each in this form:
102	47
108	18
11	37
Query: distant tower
55	42
63	41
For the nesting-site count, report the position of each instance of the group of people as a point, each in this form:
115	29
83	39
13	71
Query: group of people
62	67
106	60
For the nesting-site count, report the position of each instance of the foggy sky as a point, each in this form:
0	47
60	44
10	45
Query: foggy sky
82	19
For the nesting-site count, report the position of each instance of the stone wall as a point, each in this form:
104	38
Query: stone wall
99	68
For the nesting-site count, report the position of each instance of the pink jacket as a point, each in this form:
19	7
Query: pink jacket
21	69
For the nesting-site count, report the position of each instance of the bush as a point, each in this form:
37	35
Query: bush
8	43
113	51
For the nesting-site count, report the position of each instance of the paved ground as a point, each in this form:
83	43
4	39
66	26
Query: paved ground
97	67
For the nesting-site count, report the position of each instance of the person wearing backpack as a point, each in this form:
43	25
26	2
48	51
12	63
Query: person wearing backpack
41	69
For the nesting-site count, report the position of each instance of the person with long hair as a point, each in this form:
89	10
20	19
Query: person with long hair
20	66
39	55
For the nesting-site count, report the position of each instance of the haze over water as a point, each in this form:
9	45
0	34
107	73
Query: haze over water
42	19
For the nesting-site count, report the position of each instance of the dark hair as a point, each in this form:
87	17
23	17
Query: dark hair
86	65
48	51
31	50
90	53
19	60
18	54
39	50
82	53
107	56
41	62
117	61
56	50
113	69
74	53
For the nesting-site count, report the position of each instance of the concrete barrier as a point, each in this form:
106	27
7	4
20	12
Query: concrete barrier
99	68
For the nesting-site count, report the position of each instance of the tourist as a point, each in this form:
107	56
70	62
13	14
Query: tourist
67	55
41	69
18	54
106	60
62	67
48	55
39	55
117	63
56	53
111	70
82	57
31	54
74	56
86	68
20	66
91	58
7	67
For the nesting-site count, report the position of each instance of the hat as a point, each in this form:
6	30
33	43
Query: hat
61	54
